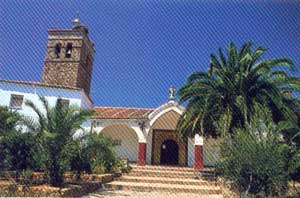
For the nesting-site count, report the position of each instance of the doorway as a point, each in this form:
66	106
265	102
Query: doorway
169	152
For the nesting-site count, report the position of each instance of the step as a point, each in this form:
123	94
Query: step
120	185
171	174
170	168
153	194
164	180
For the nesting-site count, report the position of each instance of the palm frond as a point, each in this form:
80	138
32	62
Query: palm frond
41	117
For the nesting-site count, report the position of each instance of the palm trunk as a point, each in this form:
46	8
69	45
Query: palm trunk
55	172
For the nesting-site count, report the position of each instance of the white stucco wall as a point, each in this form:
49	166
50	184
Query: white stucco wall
32	93
211	151
190	151
128	139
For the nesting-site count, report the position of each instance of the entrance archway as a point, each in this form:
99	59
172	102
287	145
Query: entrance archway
169	152
164	128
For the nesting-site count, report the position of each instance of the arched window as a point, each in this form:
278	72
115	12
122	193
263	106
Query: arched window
69	50
57	50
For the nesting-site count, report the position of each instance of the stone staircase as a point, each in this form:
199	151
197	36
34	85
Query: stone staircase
168	179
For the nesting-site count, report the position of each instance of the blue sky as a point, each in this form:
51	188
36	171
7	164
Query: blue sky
143	47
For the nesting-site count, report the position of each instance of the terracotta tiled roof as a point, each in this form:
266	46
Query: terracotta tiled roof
121	113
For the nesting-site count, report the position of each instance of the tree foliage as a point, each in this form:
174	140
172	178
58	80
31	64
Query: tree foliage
227	93
19	149
256	160
101	152
48	142
8	122
93	153
55	128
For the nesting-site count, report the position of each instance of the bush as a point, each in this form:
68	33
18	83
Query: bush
292	155
78	158
98	167
94	153
101	153
123	166
19	151
8	122
256	165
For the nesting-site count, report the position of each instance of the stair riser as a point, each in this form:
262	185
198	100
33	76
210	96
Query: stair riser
190	170
161	175
168	175
164	169
147	189
141	180
163	172
172	172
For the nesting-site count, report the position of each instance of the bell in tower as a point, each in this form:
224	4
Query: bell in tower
69	57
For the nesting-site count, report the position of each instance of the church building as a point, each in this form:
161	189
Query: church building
146	136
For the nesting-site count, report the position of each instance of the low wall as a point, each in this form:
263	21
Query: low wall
75	188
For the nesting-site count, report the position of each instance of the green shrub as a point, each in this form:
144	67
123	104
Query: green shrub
292	155
19	148
93	153
123	166
78	158
256	165
98	167
8	122
101	152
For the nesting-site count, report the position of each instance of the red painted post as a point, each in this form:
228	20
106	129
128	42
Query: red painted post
198	151
198	160
142	154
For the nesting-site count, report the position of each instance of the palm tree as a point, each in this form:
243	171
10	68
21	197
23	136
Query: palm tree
55	128
227	93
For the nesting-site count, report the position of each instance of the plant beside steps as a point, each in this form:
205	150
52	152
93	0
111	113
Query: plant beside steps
169	179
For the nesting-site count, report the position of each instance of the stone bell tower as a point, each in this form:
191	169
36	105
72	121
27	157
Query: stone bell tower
69	57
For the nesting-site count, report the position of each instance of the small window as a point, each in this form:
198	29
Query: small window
69	50
16	101
57	50
63	102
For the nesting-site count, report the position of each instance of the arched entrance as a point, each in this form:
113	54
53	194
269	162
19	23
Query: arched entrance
162	130
169	152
